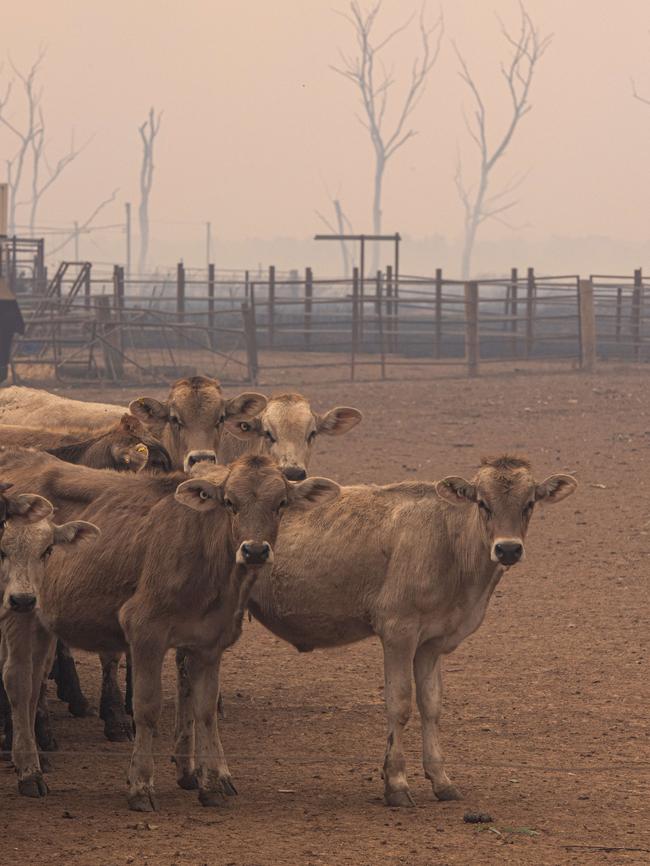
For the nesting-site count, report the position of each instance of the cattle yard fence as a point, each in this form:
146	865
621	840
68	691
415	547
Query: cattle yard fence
87	325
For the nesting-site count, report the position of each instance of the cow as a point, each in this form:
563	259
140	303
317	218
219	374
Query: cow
286	429
173	568
21	506
189	422
413	563
126	446
26	650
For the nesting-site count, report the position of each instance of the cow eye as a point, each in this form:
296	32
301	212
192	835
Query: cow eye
203	495
47	552
244	426
311	436
3	524
270	436
484	508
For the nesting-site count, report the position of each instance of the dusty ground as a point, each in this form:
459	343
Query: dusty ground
545	724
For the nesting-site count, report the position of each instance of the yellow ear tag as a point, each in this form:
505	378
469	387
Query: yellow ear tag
141	448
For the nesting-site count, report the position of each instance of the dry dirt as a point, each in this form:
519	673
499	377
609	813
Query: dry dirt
545	722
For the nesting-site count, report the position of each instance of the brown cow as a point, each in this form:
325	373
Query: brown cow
286	429
26	649
413	563
173	569
126	446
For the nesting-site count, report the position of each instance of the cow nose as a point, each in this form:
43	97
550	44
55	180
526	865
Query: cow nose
255	553
294	473
22	602
194	457
508	552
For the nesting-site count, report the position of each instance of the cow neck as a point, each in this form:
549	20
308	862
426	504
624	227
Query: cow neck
470	548
212	557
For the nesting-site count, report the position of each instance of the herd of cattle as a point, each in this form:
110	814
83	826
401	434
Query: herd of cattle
178	516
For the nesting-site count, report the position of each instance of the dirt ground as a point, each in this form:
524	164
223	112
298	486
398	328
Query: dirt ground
545	721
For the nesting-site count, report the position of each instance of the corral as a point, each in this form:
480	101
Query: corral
544	712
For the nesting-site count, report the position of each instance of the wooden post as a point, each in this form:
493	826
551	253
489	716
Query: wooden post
389	306
380	326
118	287
530	311
87	272
471	328
250	336
180	291
246	284
271	312
619	312
587	326
437	345
362	281
514	281
355	321
309	291
637	301
211	316
110	333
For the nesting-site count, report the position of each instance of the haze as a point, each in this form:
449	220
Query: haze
258	131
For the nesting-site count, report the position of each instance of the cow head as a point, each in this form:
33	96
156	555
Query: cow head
134	447
255	494
287	429
25	548
190	422
504	494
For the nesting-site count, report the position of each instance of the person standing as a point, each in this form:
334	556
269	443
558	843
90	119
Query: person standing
11	322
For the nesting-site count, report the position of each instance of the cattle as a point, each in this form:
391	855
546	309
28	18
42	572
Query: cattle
413	563
173	568
189	422
126	446
286	429
26	649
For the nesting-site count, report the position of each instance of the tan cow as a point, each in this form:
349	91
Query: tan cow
26	650
286	429
189	422
173	568
415	564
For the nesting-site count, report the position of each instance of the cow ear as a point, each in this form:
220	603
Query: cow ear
249	429
554	488
29	507
456	490
312	491
199	494
129	423
75	531
147	409
338	421
246	404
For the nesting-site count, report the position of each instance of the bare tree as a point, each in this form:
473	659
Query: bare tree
369	74
148	132
527	48
343	226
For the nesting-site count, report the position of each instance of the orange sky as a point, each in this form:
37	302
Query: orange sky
256	126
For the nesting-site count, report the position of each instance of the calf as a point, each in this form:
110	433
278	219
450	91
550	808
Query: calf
173	568
286	429
26	649
413	563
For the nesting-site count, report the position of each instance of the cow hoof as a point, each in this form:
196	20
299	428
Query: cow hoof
119	730
33	786
227	786
401	798
211	798
448	792
143	801
188	782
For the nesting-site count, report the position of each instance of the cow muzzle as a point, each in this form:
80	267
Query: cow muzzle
507	551
294	473
254	553
194	457
22	602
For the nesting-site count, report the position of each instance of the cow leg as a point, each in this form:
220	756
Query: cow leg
212	771
427	670
118	726
128	694
43	723
147	657
68	687
398	659
184	724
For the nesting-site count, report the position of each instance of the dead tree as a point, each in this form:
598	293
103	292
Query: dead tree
343	226
367	71
527	48
148	132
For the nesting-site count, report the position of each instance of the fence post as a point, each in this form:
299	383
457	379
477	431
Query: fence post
514	281
637	301
438	315
587	326
212	337
530	311
87	278
471	328
389	305
111	338
309	291
180	291
118	287
250	335
271	311
380	326
619	312
355	321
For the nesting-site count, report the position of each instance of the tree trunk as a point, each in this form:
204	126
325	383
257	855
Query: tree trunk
380	165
